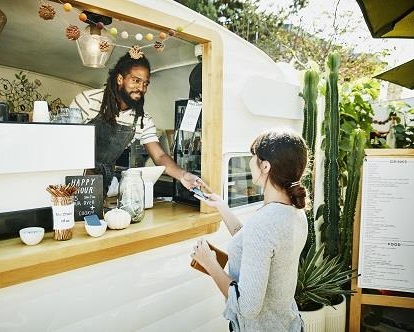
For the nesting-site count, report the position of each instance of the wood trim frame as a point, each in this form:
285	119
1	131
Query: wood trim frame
211	158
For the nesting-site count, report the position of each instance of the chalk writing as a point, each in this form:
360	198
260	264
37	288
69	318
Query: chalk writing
88	199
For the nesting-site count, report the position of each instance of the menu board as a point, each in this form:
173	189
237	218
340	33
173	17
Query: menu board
386	250
191	115
89	197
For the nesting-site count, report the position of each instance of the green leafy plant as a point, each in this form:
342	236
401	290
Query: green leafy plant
321	280
401	130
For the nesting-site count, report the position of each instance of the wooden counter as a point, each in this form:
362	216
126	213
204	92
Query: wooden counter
164	224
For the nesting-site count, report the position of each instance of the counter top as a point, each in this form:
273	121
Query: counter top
164	224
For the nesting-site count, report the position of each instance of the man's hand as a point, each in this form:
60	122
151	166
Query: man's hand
191	181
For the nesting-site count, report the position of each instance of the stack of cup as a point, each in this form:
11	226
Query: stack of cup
41	111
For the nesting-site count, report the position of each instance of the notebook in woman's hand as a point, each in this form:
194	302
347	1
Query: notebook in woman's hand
220	255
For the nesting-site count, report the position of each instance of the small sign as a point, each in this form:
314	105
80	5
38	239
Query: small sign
191	115
89	197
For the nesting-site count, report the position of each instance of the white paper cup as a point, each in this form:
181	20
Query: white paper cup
41	111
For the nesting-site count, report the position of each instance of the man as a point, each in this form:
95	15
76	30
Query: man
119	118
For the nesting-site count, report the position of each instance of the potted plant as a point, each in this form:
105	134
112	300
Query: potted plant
324	274
320	284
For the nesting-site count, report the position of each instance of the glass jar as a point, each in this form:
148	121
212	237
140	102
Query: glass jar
63	217
131	197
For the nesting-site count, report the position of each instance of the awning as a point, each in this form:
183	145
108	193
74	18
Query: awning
402	75
389	18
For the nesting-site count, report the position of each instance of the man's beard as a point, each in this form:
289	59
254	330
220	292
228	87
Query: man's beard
132	103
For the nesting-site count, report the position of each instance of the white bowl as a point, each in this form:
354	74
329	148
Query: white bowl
32	235
96	230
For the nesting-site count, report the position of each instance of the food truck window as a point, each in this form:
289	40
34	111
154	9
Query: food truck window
240	187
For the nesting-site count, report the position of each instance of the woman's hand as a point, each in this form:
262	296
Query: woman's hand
214	200
204	255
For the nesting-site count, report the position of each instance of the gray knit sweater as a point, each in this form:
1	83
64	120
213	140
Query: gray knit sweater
263	259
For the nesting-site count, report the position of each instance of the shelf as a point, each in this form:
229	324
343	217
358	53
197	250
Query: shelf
244	175
243	200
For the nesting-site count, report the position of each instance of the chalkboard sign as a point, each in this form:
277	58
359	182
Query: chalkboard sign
89	197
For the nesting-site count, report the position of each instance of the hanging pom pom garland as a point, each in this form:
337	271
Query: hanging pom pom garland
104	46
67	7
83	17
135	52
159	46
113	32
124	35
47	12
72	32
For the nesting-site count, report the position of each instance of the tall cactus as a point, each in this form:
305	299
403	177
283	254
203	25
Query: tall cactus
331	213
310	95
358	140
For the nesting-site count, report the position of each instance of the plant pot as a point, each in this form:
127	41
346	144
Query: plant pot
335	316
314	321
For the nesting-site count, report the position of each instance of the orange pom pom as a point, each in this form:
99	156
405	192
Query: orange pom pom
83	17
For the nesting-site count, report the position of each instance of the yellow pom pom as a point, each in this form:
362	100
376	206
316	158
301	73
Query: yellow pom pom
113	31
67	7
149	36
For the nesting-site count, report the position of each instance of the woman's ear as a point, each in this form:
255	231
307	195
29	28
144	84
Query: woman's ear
265	166
119	79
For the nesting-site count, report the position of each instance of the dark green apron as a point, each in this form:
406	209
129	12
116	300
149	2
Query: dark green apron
110	143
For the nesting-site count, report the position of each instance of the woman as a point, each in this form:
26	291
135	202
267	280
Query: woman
264	252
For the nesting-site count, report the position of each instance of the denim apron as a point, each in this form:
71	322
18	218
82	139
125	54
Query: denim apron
110	143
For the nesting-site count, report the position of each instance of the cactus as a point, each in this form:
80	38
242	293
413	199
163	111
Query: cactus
331	213
358	140
310	95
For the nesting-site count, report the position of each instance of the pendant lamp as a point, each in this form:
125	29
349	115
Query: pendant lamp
95	45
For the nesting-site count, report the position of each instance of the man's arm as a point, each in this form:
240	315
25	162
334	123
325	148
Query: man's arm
160	158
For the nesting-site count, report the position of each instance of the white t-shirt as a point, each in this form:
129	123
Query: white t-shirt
90	103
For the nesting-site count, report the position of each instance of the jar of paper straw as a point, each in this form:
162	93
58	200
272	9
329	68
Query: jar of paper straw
63	210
